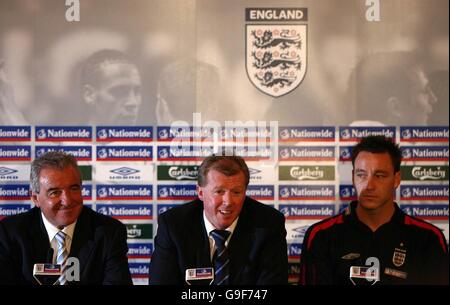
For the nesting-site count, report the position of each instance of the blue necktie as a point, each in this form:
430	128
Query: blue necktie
61	256
221	259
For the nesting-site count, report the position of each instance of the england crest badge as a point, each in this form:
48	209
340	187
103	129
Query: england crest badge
276	50
399	257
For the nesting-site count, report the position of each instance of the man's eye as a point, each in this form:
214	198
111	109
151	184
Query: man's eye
75	188
54	194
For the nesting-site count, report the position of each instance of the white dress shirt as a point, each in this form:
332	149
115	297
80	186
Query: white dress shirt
52	230
209	227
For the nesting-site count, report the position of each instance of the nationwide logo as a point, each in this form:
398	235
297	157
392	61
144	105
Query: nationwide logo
261	192
161	208
306	192
425	173
15	133
140	250
177	192
253	153
309	153
81	153
243	133
15	153
294	250
124	192
169	133
424	192
177	172
126	211
427	211
124	134
293	272
345	153
307	211
124	153
139	270
347	192
306	173
424	134
139	231
307	134
189	153
354	134
86	192
63	133
276	47
424	153
14	192
12	209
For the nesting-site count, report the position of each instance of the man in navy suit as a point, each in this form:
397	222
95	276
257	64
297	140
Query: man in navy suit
254	234
97	241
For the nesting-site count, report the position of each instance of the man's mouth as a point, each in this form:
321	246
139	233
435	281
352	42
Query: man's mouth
225	212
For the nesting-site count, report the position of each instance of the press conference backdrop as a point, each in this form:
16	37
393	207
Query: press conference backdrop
326	72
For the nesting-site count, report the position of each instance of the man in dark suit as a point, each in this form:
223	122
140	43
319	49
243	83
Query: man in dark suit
59	227
242	239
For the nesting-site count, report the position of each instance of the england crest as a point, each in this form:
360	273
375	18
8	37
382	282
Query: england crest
398	259
276	56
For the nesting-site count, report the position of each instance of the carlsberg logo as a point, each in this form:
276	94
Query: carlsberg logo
421	173
178	173
306	173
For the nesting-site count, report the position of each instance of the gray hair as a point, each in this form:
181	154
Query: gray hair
53	159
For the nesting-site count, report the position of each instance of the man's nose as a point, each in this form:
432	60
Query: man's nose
227	198
370	184
66	198
133	100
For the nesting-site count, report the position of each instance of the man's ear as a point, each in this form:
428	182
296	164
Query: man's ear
89	95
397	179
200	192
34	198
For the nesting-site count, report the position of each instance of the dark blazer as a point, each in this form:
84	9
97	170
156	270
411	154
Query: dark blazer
257	249
99	242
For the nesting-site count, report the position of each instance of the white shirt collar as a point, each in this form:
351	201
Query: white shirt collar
209	226
52	230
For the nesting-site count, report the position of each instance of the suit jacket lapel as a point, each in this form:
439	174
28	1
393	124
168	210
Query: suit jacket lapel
200	236
39	238
240	245
82	243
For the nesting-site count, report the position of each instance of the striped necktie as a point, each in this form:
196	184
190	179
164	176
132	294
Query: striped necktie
221	258
61	257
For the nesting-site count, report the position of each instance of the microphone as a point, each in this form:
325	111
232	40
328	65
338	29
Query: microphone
200	276
363	275
48	273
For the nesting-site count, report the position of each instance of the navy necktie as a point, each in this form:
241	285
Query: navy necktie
221	259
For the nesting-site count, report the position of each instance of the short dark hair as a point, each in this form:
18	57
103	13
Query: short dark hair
378	145
227	165
52	159
91	67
